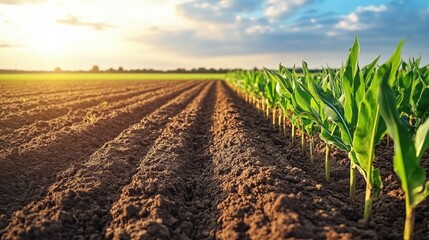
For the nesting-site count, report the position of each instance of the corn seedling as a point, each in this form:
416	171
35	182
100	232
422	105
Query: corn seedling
343	108
408	154
90	118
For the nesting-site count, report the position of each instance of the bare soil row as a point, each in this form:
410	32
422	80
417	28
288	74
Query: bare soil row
18	117
26	103
18	90
191	161
88	113
29	169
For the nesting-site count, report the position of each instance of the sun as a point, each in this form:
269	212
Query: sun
49	40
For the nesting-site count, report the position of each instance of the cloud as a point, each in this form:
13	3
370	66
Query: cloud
276	9
227	11
372	8
16	2
249	32
7	45
153	28
74	21
221	12
351	21
384	25
252	40
259	29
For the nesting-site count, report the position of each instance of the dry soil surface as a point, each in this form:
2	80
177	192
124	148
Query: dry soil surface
172	160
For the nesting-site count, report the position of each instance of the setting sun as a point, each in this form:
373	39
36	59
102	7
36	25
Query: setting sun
50	40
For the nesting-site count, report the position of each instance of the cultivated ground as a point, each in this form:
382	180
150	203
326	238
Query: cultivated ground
171	160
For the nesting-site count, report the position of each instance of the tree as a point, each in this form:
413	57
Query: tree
58	69
95	68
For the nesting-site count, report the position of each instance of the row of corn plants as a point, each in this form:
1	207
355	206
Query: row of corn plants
353	108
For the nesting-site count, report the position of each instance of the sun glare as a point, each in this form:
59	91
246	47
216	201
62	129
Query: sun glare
49	40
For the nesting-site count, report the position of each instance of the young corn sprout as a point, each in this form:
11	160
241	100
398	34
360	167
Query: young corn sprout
408	154
352	108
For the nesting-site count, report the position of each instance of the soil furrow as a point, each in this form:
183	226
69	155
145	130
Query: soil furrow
162	201
388	209
271	196
49	87
17	95
53	99
25	175
27	103
78	205
43	112
242	176
38	130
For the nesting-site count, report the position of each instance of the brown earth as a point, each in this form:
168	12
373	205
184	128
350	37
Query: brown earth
173	160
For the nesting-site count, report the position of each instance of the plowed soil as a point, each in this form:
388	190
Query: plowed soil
172	160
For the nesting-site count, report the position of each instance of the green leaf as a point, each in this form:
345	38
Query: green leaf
348	83
369	131
378	183
421	141
365	133
352	61
368	71
303	97
405	160
285	84
334	110
394	61
332	138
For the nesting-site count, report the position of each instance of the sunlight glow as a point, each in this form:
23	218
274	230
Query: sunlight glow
165	34
50	40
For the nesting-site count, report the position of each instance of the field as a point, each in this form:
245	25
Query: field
108	76
171	159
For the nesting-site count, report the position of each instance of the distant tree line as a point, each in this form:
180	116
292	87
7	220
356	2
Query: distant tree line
96	69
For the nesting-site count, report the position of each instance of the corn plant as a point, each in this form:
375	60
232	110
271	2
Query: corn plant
271	98
412	88
284	89
342	106
408	154
342	111
370	130
288	89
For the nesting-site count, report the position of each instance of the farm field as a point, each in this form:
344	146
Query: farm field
174	159
108	76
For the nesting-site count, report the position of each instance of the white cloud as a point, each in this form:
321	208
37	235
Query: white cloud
75	21
353	17
258	29
350	23
16	2
226	3
278	8
372	8
332	34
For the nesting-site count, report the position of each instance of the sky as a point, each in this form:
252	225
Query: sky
166	34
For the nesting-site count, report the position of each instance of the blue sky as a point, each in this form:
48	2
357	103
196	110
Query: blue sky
42	34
